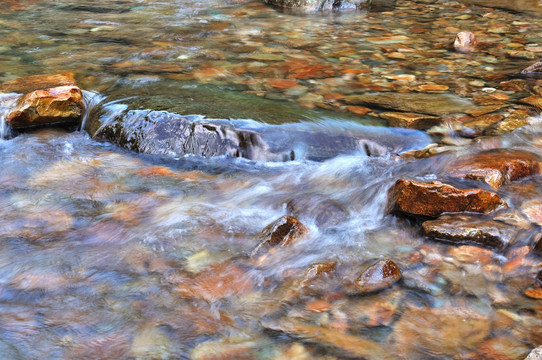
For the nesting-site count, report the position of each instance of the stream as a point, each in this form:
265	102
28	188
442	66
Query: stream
112	252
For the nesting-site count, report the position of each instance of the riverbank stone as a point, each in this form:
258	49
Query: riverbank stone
432	199
466	229
496	168
429	104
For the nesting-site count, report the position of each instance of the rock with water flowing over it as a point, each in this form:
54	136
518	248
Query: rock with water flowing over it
497	168
24	85
340	342
319	5
325	212
432	199
61	105
442	332
378	276
460	229
430	104
282	232
410	120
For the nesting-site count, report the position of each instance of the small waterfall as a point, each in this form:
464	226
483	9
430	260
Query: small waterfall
7	102
91	101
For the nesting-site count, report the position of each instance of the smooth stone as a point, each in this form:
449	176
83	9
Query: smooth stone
27	84
465	42
378	276
535	354
282	232
432	199
410	120
431	104
496	168
461	229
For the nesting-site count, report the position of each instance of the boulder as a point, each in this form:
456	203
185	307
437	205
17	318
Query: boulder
280	233
430	104
432	199
461	229
380	275
496	167
59	105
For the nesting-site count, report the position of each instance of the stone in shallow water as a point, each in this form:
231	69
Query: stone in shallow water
535	354
324	212
59	105
441	332
280	233
410	120
497	167
431	104
432	199
27	84
378	276
465	42
469	229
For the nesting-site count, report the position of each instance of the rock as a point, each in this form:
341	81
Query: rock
534	68
224	350
59	105
533	292
432	199
533	211
342	343
431	104
378	276
319	5
28	84
510	123
373	310
410	120
469	229
324	212
496	168
530	7
535	354
465	42
471	254
442	332
503	347
533	100
280	233
476	126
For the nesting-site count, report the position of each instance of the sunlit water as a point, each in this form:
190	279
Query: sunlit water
108	254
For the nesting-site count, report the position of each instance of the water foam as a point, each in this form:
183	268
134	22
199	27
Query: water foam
7	102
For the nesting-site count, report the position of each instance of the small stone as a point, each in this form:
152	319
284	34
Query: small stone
471	254
378	276
318	306
479	111
534	292
432	199
534	68
515	54
514	121
432	88
475	127
465	42
410	120
533	211
533	100
58	105
535	354
358	110
470	229
280	233
477	83
496	168
282	83
396	55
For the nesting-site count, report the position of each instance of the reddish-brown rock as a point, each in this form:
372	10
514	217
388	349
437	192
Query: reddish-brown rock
497	167
59	105
469	229
280	233
27	84
378	276
465	42
410	120
432	199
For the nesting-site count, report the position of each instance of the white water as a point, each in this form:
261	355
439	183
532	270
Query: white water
7	103
91	100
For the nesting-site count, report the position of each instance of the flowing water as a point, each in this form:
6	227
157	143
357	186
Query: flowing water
111	254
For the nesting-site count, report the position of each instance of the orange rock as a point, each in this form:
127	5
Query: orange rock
502	348
497	167
533	293
432	199
298	69
356	71
318	306
471	254
280	233
282	83
479	111
432	88
58	105
358	110
534	100
27	84
156	171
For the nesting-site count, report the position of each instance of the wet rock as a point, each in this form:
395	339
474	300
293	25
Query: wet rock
28	84
533	211
374	310
476	126
280	233
378	276
324	212
224	350
431	104
441	332
531	7
510	123
471	254
533	292
468	229
465	42
533	100
410	120
342	343
534	68
535	354
497	167
151	343
319	5
432	199
503	347
59	105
